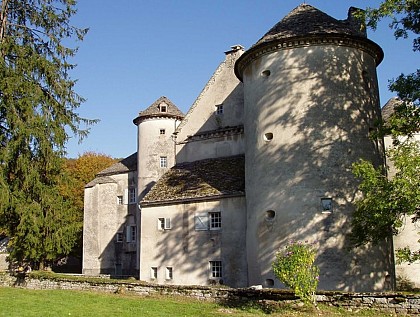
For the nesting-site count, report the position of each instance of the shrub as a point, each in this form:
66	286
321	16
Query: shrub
294	267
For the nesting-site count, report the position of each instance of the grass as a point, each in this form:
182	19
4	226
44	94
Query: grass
26	302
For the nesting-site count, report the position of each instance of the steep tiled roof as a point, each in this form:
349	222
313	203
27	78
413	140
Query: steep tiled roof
154	110
123	166
306	20
200	179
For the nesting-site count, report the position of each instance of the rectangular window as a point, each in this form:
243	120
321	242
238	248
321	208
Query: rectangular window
119	237
208	221
153	273
215	220
215	269
169	273
219	109
164	223
131	234
132	198
162	131
163	162
120	200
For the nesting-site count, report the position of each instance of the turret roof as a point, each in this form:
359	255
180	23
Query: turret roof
162	107
306	20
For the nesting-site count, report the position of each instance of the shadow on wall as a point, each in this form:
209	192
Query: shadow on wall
324	128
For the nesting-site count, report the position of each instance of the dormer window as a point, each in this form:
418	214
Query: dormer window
162	107
219	109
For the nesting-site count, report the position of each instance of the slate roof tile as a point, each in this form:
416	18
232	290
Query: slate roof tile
199	179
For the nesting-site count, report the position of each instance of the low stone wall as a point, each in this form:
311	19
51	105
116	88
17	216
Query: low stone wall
395	302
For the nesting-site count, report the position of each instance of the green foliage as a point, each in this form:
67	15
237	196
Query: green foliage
294	266
37	111
386	201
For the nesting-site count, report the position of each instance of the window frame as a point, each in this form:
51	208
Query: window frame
216	269
119	237
164	224
219	110
215	220
153	273
131	234
169	273
162	131
132	195
163	162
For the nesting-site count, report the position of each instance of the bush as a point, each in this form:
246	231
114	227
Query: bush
294	267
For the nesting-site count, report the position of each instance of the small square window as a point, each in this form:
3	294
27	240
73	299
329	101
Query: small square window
162	108
132	195
215	269
169	273
162	131
215	220
153	273
120	200
164	223
219	109
326	205
119	237
163	162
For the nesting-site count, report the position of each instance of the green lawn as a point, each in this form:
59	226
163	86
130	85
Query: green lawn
27	303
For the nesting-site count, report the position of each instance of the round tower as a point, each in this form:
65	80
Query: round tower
311	101
155	148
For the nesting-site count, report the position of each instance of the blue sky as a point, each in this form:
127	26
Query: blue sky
139	50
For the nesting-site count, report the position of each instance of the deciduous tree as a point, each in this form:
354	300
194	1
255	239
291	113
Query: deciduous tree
386	201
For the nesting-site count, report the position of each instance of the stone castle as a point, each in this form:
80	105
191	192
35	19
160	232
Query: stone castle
262	157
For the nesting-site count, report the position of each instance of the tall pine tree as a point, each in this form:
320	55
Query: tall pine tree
38	107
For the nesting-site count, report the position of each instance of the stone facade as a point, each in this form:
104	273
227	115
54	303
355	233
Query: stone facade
271	137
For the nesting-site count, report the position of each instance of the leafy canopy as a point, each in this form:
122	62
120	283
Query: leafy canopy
387	201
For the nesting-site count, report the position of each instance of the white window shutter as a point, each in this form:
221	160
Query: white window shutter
125	197
201	222
167	223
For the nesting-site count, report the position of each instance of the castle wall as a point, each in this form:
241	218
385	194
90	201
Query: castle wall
188	246
105	217
309	111
218	107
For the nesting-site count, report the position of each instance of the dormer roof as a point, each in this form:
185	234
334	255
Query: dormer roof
162	107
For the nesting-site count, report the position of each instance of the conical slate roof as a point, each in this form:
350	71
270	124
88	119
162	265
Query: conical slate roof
306	19
306	26
162	107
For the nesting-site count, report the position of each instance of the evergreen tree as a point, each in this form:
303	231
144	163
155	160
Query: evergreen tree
37	112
